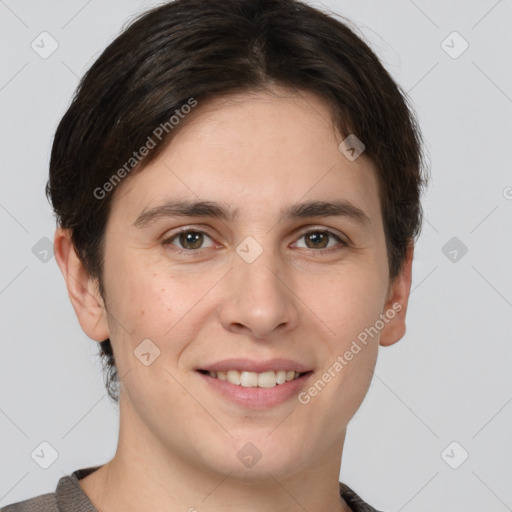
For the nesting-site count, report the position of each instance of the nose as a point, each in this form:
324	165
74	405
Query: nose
259	302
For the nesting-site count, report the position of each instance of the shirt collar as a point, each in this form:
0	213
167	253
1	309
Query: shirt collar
72	498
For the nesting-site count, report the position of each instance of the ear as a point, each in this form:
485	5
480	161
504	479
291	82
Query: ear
83	290
397	301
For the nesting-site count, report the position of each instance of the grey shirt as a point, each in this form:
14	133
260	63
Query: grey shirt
70	497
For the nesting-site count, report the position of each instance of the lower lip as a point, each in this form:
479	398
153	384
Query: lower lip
255	397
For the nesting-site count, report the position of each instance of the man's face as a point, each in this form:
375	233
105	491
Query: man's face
254	281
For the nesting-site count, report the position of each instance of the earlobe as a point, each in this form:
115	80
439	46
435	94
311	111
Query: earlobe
396	306
82	288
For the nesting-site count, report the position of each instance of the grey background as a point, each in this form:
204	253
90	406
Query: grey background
448	380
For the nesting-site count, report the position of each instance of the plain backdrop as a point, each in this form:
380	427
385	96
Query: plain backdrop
434	430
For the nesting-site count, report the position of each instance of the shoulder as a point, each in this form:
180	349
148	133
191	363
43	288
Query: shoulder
68	497
354	501
43	503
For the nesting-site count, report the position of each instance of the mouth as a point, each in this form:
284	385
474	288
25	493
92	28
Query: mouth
255	384
247	379
255	390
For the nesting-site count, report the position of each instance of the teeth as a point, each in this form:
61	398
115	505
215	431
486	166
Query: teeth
248	379
267	379
252	379
234	377
281	376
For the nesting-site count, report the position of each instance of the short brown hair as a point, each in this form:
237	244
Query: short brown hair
205	49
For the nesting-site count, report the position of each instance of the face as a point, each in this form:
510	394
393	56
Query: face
250	249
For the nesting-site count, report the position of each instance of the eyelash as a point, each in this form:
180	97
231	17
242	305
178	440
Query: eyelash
169	241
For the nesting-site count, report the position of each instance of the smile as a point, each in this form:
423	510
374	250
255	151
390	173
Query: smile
268	379
256	384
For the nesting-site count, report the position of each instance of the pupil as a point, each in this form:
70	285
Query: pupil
317	240
191	240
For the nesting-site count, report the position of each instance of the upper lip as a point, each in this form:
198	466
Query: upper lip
250	365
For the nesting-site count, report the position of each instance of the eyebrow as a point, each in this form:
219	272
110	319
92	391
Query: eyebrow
223	211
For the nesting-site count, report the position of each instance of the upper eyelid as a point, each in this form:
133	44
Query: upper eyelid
309	229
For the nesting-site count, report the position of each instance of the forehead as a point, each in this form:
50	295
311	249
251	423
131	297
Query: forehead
254	150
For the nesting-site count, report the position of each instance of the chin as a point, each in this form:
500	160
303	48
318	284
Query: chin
262	459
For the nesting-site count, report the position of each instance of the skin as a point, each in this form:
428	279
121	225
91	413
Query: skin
178	442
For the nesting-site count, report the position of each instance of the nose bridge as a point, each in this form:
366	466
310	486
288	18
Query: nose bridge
257	260
259	277
258	300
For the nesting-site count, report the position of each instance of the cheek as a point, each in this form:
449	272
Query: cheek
346	303
140	304
150	300
350	303
139	311
145	307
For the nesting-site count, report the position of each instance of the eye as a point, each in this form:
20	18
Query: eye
191	240
318	239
